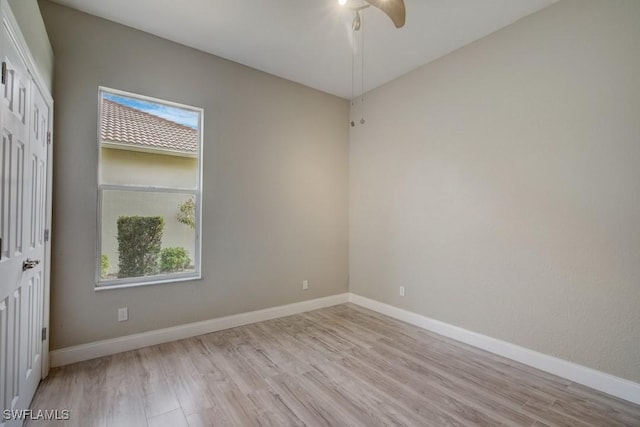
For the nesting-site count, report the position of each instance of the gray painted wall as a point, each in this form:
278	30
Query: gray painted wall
29	19
275	181
501	186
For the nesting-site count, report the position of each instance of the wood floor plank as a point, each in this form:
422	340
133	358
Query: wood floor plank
549	416
341	365
159	396
59	391
223	350
192	393
125	411
237	406
268	398
308	407
368	404
426	381
173	418
201	358
603	402
208	418
91	408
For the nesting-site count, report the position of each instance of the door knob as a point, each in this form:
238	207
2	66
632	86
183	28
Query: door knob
29	264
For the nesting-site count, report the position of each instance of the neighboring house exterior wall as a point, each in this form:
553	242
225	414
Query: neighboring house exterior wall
142	168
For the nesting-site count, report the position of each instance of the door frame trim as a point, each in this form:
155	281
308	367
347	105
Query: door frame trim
10	22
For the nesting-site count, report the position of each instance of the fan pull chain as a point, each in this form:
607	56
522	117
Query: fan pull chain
353	75
362	121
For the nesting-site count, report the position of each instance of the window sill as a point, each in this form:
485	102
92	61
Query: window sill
108	287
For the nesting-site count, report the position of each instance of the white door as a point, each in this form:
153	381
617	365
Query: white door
23	167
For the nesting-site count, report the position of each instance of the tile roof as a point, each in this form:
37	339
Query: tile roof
125	125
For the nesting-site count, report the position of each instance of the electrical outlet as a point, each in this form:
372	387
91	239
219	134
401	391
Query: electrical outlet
401	291
123	314
305	285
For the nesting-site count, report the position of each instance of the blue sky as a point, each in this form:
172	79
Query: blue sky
175	114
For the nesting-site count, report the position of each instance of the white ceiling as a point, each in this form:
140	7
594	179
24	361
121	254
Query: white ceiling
309	41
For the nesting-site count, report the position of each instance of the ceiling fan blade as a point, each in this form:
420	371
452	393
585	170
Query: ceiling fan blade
393	8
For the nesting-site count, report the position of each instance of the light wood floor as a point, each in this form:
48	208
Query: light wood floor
342	365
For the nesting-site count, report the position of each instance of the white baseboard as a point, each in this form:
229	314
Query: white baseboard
606	383
96	349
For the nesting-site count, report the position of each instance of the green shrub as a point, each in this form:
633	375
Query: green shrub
174	259
104	266
187	212
139	240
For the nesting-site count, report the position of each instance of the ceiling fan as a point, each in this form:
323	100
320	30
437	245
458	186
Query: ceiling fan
394	9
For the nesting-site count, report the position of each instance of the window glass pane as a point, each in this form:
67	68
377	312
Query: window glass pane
147	233
148	143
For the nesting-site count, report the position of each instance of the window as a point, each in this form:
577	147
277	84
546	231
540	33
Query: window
149	190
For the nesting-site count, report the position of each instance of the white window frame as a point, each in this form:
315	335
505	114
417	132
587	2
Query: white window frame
102	284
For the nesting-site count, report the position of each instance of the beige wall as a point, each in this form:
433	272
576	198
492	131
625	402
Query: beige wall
501	186
29	19
275	182
143	168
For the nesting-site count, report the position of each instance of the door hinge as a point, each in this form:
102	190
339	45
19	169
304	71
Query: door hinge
46	235
48	137
44	334
4	72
